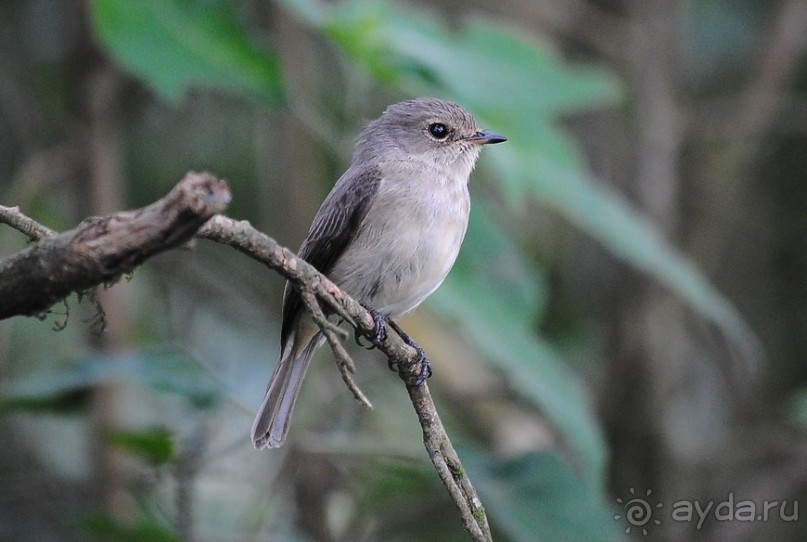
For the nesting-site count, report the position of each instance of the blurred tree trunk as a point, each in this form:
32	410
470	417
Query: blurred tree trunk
650	319
99	103
105	184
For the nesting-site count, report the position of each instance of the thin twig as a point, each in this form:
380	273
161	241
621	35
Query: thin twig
342	358
447	463
32	229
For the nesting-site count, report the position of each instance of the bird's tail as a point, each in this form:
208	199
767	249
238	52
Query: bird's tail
271	425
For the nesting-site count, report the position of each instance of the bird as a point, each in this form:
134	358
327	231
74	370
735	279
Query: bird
387	234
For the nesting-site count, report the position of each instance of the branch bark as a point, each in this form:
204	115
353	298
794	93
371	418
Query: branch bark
102	249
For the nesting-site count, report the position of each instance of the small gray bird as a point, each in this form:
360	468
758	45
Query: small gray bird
387	234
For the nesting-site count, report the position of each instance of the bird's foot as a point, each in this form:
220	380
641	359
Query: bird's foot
413	377
379	332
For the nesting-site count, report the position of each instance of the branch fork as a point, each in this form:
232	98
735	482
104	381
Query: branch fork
101	250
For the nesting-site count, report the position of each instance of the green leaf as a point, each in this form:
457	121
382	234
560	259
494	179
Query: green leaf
499	320
489	255
155	445
176	44
107	529
164	369
480	65
68	402
607	217
538	497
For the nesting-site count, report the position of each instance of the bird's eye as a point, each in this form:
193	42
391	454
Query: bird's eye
438	130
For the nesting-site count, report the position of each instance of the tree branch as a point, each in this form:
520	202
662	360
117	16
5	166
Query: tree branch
27	226
102	249
243	237
330	331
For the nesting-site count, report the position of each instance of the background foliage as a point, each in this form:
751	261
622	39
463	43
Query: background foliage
626	317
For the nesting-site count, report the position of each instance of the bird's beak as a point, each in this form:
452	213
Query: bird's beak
484	137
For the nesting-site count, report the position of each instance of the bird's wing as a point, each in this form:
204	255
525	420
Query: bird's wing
334	226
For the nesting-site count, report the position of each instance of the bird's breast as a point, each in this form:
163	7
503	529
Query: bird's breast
406	245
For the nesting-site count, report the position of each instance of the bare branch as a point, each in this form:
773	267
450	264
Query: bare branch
23	224
243	237
342	358
447	463
102	249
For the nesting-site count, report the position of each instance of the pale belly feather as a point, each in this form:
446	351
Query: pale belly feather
405	249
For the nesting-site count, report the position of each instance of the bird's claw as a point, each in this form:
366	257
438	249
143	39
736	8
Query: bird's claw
414	375
413	378
379	333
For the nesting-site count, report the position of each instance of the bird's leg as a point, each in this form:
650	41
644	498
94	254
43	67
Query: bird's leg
379	333
425	367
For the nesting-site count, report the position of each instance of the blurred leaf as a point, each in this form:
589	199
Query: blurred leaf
520	89
176	44
416	51
606	216
501	326
537	497
722	36
395	483
491	255
69	402
419	54
155	446
105	528
797	407
403	502
166	369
